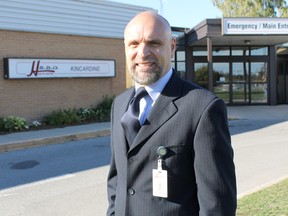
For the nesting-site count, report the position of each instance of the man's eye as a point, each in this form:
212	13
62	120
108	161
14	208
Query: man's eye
154	44
133	44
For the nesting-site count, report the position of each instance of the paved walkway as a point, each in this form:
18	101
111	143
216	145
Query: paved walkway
260	142
20	140
259	138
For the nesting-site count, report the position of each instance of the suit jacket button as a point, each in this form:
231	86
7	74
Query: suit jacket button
131	191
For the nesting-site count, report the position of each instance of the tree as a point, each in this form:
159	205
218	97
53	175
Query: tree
252	8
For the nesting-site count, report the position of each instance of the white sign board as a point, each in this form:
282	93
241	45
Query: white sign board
255	26
17	68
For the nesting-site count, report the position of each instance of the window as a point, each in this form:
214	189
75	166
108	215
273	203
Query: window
221	80
259	51
200	51
221	51
240	82
221	72
178	62
258	71
258	82
201	74
240	51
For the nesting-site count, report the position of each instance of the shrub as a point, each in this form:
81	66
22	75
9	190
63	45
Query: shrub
104	108
62	117
87	114
106	103
12	123
2	123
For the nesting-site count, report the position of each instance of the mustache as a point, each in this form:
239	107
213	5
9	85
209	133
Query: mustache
145	59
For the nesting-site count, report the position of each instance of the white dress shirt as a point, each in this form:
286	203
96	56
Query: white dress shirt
154	90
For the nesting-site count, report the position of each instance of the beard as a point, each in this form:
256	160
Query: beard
146	75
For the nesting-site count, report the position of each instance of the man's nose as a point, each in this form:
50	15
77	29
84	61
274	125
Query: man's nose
143	50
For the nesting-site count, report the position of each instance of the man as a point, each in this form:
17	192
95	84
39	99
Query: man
181	162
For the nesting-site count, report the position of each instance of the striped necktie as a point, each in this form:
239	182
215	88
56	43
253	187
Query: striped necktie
130	120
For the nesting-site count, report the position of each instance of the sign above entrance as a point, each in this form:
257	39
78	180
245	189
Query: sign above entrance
255	26
18	68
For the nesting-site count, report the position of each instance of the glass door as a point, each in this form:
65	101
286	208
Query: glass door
282	82
240	82
221	80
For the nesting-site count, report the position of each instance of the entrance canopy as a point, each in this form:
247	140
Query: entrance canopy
236	58
269	31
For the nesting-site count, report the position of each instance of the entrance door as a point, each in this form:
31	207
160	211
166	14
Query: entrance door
282	82
240	83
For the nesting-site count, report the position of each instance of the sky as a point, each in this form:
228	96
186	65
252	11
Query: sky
180	13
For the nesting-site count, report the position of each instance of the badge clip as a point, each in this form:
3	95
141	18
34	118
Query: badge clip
161	151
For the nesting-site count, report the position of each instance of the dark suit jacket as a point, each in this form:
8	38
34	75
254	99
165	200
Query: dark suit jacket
192	124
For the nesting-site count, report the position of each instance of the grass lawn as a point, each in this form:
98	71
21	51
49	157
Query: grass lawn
271	201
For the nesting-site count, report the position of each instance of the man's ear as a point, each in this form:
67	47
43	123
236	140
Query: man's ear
173	47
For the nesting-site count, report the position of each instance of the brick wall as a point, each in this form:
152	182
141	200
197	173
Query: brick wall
35	98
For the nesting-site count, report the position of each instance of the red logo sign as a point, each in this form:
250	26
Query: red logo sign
40	69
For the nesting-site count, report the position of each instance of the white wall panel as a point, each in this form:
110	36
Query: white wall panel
74	17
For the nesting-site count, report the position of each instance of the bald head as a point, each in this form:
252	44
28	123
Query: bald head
149	47
150	18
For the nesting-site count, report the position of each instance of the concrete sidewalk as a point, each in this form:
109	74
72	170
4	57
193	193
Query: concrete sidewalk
262	116
21	140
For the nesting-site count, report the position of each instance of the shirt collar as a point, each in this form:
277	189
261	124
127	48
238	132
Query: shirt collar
156	88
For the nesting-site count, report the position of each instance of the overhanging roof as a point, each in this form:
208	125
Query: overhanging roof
212	28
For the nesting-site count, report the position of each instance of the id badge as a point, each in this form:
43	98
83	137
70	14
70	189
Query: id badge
160	181
160	187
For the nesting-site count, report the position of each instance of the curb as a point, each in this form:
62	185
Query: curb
52	140
261	187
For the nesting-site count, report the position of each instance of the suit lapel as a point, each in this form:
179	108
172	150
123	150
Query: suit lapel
162	111
123	105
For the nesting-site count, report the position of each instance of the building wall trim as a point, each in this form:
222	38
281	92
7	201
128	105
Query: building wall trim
97	18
